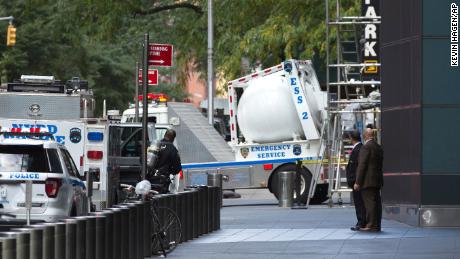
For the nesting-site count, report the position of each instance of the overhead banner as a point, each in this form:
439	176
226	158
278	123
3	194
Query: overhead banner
370	9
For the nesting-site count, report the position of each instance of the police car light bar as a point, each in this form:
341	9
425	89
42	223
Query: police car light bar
37	79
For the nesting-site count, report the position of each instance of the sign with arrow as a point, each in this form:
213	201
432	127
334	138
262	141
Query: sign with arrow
152	76
160	55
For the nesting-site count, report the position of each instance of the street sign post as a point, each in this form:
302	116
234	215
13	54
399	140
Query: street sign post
152	76
160	55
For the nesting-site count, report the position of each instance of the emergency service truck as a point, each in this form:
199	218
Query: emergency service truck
276	119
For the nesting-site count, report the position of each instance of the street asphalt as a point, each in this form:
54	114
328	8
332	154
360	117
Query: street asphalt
255	227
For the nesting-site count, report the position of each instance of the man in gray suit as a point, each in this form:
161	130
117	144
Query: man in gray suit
369	179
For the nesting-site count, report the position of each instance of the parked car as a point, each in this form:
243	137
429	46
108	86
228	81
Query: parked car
57	191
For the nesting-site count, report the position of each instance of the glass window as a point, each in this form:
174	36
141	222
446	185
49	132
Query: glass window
72	163
132	146
69	164
23	158
55	164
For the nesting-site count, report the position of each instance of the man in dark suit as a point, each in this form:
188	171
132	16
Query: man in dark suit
352	165
369	179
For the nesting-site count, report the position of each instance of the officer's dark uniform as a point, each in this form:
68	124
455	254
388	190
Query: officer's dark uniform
167	163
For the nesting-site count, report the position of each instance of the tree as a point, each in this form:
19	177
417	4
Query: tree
101	40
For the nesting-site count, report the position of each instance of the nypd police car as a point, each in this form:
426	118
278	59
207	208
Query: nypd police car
57	192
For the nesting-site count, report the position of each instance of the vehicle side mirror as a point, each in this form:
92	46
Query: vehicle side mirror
82	177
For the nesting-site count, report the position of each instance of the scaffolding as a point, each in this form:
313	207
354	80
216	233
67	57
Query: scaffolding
351	92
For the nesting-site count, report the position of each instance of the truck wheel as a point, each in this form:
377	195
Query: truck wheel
305	180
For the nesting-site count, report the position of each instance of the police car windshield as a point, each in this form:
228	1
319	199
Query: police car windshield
23	158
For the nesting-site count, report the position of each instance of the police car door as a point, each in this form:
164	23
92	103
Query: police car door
79	191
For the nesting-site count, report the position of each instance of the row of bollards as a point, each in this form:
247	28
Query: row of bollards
121	232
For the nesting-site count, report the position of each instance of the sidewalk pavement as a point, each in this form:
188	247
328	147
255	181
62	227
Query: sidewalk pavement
267	231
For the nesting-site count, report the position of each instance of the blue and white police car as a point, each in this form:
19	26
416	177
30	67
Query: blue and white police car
57	192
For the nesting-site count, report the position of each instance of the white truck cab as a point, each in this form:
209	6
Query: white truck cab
157	109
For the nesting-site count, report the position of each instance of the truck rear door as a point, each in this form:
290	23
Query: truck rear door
130	150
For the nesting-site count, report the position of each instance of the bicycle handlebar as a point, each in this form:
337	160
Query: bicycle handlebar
130	187
123	185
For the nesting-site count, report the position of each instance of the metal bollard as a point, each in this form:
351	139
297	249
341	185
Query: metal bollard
186	213
217	208
200	213
185	208
70	238
190	214
139	231
206	218
48	240
132	231
8	250
116	238
168	202
90	237
124	231
80	244
101	237
212	206
109	233
22	242
179	204
59	239
158	200
286	189
100	244
36	241
217	215
147	229
215	179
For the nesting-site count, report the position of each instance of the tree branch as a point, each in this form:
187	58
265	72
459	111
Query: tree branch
158	9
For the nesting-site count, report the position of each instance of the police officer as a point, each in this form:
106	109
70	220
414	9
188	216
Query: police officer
166	162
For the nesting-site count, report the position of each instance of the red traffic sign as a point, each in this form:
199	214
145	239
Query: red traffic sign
160	55
152	76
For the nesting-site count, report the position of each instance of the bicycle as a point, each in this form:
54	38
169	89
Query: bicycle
166	226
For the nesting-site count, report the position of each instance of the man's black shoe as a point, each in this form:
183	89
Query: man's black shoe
355	228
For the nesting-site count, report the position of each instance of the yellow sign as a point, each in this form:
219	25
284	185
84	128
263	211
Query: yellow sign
370	69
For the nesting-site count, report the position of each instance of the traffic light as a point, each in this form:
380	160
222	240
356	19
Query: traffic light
11	36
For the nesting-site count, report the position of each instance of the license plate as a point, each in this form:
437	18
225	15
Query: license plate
3	191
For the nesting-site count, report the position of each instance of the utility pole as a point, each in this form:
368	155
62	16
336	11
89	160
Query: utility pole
145	68
136	97
210	66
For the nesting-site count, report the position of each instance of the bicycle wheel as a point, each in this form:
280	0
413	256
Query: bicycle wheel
166	230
